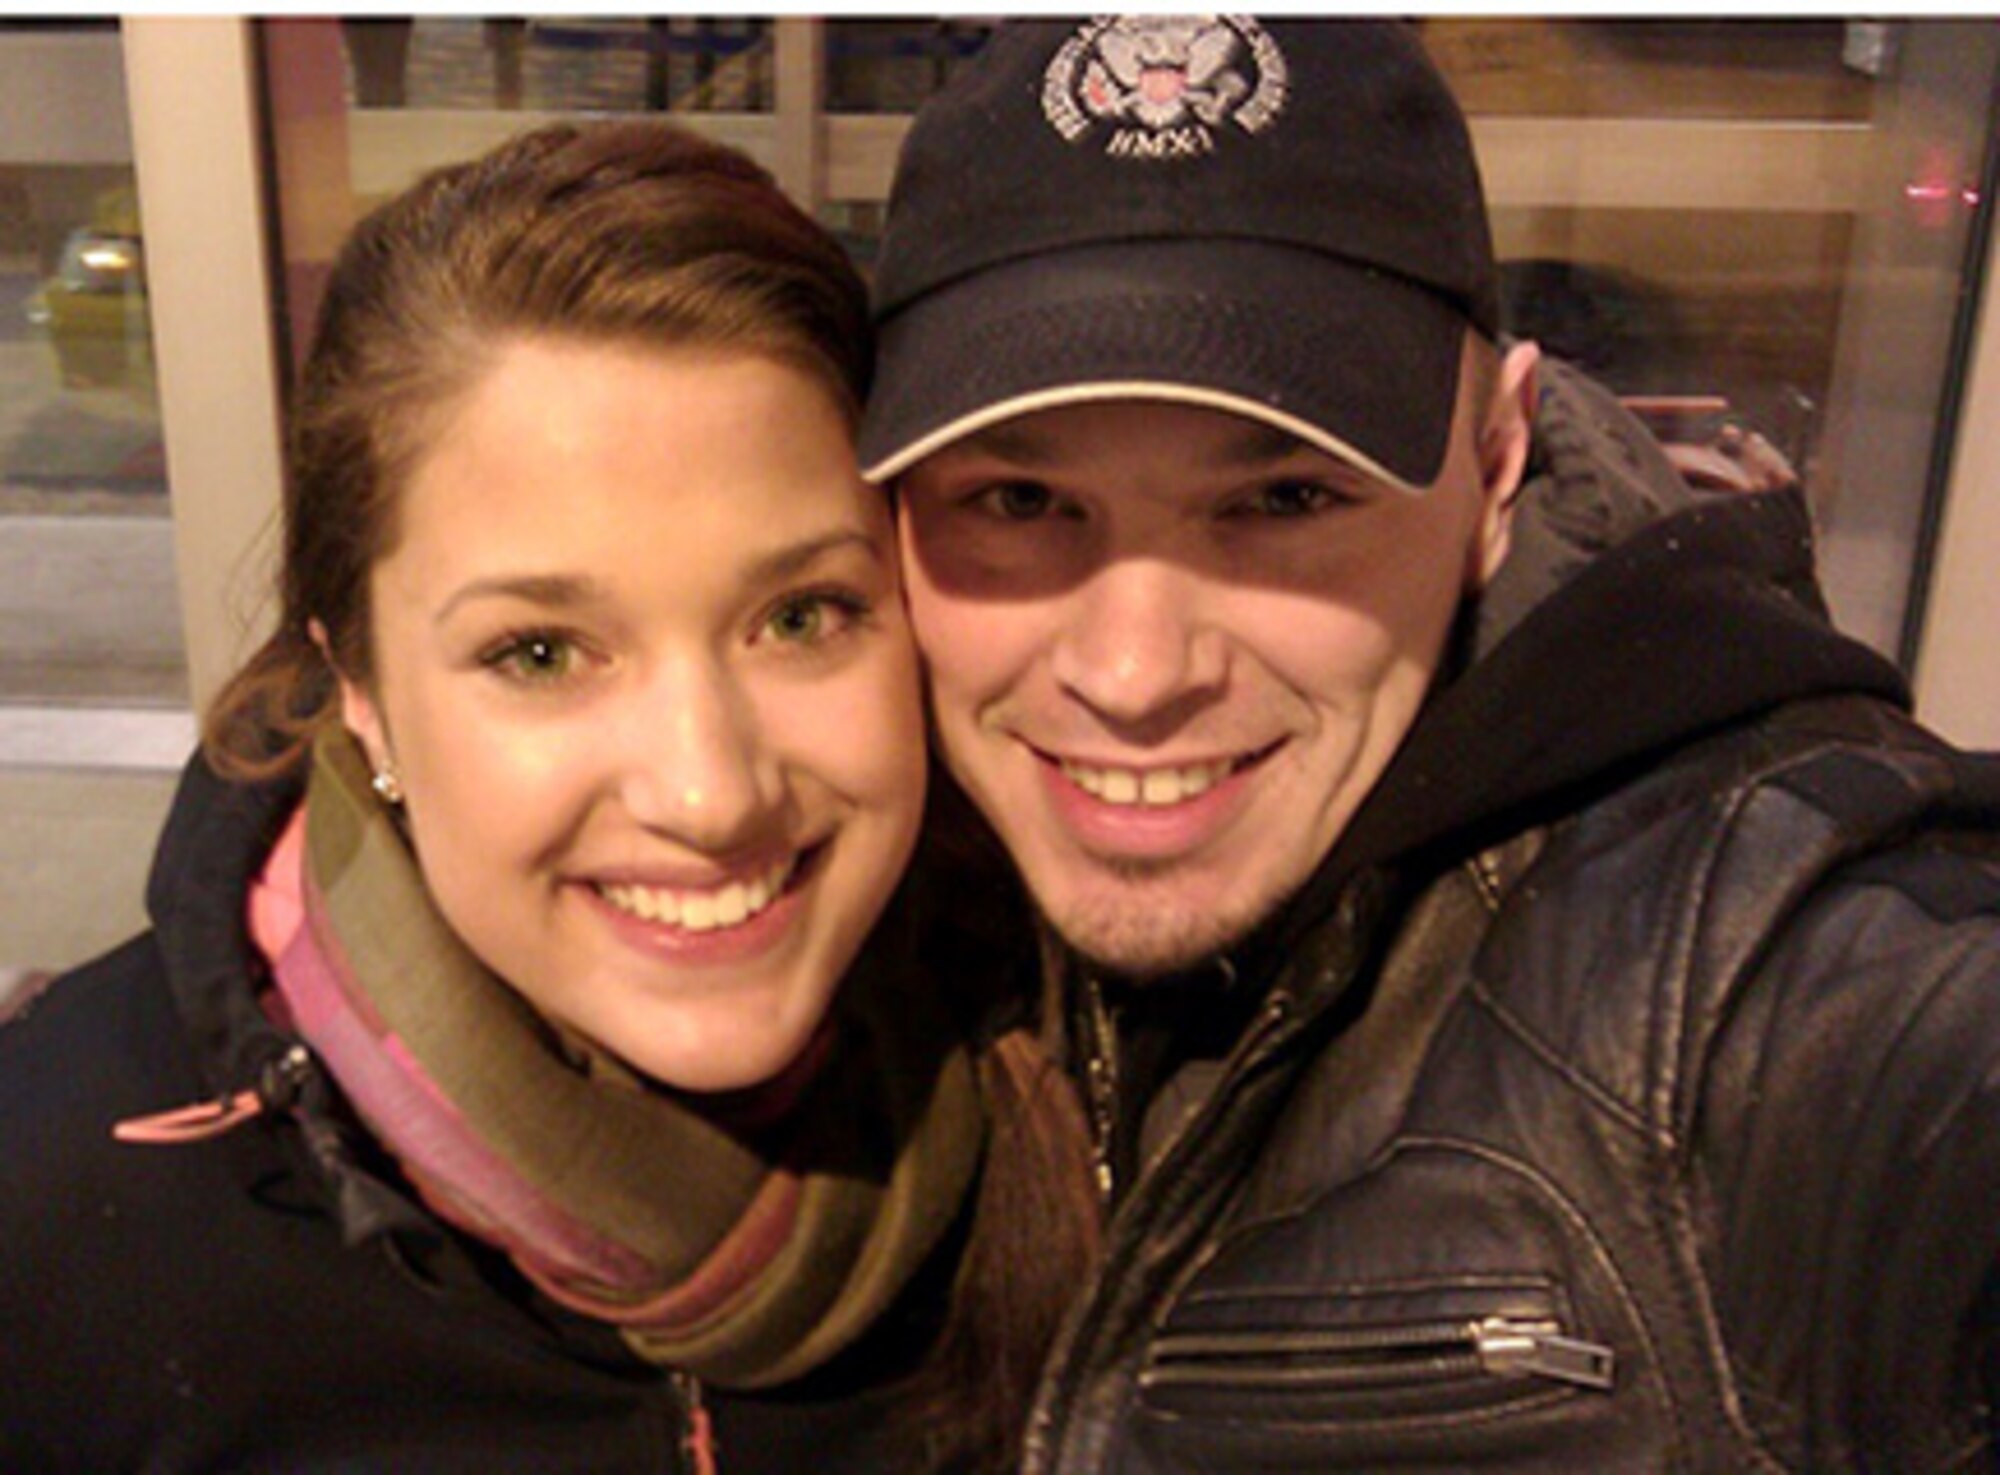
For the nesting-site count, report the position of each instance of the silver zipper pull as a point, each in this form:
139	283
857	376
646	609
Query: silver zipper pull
1534	1349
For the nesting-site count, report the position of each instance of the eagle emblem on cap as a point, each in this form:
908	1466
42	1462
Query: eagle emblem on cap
1163	84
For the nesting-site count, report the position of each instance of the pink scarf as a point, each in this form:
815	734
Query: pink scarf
745	1245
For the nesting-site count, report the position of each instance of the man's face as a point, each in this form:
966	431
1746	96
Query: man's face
1172	650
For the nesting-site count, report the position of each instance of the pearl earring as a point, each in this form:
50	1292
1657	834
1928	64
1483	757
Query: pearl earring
388	786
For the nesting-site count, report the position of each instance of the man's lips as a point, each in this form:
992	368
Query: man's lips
1154	812
1152	787
1155	785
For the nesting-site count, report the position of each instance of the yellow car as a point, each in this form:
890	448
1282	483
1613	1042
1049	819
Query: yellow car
94	309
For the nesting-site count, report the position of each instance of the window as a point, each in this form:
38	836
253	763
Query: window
1770	223
1763	231
90	618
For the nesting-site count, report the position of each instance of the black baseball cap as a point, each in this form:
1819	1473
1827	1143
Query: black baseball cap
1280	219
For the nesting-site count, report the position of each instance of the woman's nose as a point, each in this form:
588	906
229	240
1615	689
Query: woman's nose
696	768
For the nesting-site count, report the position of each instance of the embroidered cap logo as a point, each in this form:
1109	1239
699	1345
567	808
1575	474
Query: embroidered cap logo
1164	83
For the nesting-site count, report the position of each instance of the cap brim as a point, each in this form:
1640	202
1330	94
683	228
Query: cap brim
1356	362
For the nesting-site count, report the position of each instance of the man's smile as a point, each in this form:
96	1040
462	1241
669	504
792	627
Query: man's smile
1153	786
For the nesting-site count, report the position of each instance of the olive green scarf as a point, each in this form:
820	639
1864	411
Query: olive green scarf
744	1255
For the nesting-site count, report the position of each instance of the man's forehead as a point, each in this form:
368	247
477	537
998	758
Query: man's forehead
1043	437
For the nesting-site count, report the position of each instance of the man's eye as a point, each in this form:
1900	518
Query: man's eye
1016	501
534	657
1289	499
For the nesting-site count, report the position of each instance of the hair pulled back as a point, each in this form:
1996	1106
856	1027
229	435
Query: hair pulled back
633	233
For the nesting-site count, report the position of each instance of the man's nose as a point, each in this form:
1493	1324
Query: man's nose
1136	646
697	767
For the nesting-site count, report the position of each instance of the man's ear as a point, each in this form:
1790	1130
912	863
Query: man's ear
358	711
1507	430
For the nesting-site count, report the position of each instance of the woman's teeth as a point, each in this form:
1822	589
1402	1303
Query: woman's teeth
703	911
1154	786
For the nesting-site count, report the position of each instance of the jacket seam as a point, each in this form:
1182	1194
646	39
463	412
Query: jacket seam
1524	1035
1673	1221
1667	1042
1412	1423
1679	1092
1673	1088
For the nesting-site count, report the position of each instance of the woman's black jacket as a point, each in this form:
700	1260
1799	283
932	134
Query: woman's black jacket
274	1299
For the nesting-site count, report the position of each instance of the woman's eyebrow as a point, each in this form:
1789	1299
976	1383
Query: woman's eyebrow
783	563
557	591
575	591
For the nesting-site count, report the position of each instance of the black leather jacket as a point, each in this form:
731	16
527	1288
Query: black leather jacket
1624	1094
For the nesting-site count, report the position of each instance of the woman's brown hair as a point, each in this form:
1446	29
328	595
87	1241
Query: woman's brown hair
634	233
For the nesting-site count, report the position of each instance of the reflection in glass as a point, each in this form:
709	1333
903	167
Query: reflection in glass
1765	225
88	611
560	64
1761	229
891	66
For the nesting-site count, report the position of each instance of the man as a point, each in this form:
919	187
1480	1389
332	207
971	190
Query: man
1536	993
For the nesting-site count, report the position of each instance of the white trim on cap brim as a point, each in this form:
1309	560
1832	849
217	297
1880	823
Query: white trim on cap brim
1145	389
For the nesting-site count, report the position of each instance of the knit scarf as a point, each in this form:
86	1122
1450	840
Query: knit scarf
741	1249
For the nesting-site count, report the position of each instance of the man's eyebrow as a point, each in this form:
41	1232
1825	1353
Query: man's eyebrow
1014	443
1251	444
1257	445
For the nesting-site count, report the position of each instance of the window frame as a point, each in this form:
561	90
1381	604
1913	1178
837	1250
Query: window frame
201	186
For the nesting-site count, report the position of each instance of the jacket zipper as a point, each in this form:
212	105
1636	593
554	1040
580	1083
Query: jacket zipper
1048	1420
1493	1346
698	1432
1101	1081
1167	1196
1101	1078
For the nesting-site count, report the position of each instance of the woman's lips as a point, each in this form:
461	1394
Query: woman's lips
703	909
729	922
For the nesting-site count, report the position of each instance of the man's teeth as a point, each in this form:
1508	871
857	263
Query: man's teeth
1153	787
703	911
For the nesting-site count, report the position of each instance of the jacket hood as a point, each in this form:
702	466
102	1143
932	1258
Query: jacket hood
1631	617
217	836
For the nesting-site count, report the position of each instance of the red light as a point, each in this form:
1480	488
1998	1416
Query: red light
1938	188
1935	203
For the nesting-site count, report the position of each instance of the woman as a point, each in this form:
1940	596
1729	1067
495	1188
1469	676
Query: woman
575	1090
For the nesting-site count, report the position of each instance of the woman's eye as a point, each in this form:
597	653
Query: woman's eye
812	619
534	657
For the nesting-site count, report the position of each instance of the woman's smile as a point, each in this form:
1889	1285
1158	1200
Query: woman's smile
694	660
702	908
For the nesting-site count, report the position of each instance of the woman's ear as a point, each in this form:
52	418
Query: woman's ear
358	712
1507	430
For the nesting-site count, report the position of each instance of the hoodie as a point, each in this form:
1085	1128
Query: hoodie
1570	1115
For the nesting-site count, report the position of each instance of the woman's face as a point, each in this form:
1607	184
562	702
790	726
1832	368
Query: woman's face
641	664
